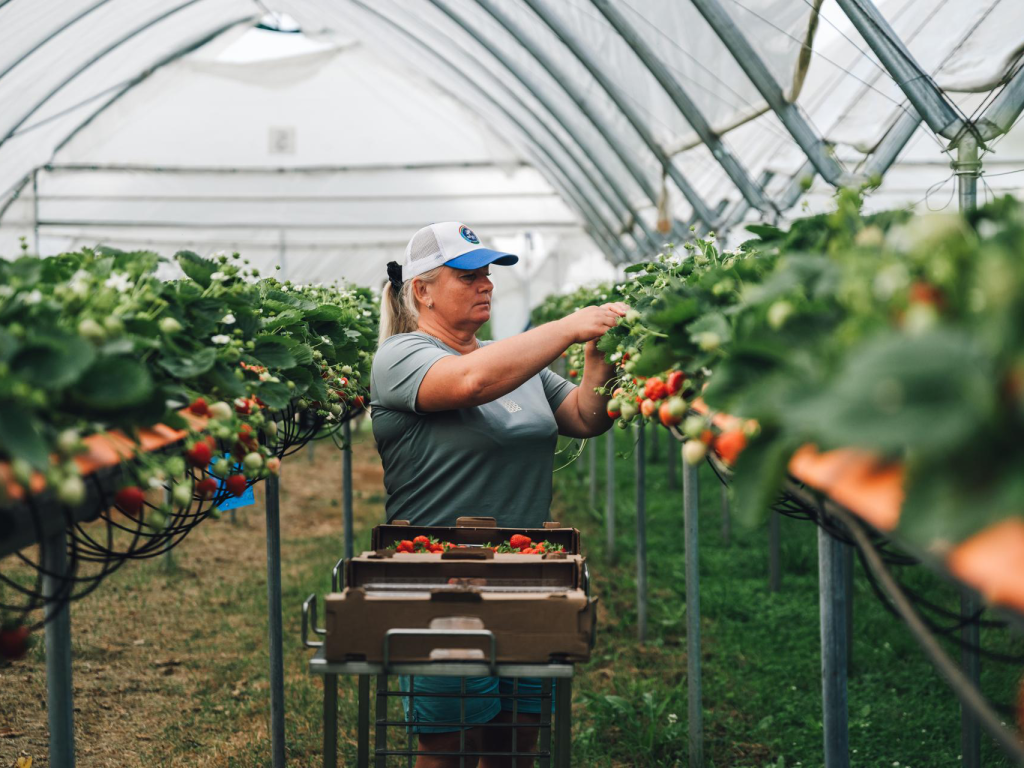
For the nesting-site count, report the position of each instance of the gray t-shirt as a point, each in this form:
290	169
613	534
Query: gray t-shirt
494	459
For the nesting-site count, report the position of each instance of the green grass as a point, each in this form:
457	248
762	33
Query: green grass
760	651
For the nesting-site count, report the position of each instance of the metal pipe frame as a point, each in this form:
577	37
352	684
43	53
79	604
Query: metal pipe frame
51	35
751	191
346	481
743	52
95	58
832	603
617	202
1004	110
606	247
892	144
144	75
670	169
926	97
559	78
640	458
274	620
691	547
609	232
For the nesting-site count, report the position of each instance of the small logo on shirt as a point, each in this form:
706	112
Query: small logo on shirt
510	405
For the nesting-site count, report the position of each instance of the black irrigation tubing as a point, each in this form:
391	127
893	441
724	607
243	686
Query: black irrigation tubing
792	506
146	541
968	694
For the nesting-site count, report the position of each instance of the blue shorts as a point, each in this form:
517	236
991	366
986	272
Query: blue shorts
431	709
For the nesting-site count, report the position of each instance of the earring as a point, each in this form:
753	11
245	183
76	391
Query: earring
430	305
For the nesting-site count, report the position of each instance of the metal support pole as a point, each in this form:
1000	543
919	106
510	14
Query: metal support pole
695	707
900	64
848	590
746	56
670	464
563	719
59	701
654	442
169	554
330	721
592	469
35	210
726	517
363	723
609	508
274	620
774	556
641	534
831	599
311	451
346	479
970	662
967	168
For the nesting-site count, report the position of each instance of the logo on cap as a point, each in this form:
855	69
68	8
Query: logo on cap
469	235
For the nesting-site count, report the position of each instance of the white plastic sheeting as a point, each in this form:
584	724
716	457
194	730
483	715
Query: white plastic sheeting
328	155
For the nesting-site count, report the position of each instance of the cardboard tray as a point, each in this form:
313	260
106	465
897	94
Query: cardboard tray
473	530
482	567
527	628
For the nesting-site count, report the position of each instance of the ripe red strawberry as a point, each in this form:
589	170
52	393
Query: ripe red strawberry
14	642
528	551
206	487
405	546
573	373
130	500
614	410
199	407
211	441
654	388
236	485
730	444
242	406
518	541
674	383
199	455
647	408
708	438
435	548
926	293
421	540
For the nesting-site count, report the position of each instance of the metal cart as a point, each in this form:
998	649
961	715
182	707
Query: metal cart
556	690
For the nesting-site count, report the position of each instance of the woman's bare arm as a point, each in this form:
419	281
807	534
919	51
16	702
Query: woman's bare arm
481	376
584	413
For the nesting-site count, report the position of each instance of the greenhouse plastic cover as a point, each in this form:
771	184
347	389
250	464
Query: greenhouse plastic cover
150	124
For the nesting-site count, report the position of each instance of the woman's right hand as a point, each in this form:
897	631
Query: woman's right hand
589	323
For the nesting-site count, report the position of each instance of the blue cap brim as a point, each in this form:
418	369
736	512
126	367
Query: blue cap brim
481	257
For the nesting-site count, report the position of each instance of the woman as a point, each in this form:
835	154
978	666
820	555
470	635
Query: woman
469	428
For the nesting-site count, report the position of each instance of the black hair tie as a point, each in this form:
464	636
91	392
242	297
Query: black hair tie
395	274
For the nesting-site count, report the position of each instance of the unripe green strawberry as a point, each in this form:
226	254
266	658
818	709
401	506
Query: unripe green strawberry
252	461
632	316
72	491
156	519
708	341
69	442
169	325
694	452
222	468
693	426
220	410
114	325
778	313
346	370
629	410
175	465
90	329
182	494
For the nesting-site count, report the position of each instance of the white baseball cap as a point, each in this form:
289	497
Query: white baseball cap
450	243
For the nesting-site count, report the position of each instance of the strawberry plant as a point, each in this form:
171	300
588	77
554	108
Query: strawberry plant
894	333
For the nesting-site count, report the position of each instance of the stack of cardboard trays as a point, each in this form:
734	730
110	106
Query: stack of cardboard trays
538	607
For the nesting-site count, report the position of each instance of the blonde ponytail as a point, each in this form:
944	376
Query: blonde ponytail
398	310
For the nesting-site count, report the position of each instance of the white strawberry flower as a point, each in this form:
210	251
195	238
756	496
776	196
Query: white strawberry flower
119	281
228	319
33	297
220	338
218	276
